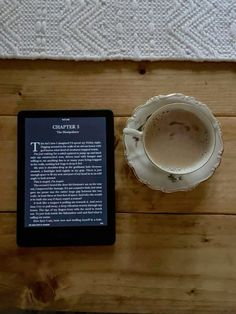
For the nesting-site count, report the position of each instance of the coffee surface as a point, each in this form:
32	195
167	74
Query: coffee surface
176	140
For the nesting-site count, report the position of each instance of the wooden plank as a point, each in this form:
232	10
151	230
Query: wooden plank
8	183
120	85
213	196
8	156
159	264
217	195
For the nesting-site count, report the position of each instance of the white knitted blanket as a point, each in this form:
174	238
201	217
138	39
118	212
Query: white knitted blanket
118	29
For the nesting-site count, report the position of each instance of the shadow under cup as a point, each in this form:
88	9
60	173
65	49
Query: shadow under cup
179	138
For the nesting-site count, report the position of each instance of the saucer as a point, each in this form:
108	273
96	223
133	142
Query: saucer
142	167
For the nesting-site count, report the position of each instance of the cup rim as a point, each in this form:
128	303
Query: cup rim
201	113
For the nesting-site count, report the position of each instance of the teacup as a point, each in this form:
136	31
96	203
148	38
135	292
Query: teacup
178	138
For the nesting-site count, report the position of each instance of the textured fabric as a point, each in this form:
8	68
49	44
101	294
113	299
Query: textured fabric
118	29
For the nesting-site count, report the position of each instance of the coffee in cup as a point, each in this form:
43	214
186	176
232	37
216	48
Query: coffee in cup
178	138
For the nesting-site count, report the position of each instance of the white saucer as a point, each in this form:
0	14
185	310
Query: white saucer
150	175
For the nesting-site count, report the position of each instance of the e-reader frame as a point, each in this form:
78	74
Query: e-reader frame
72	235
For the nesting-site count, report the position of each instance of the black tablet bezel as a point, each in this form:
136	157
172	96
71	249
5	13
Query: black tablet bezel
61	236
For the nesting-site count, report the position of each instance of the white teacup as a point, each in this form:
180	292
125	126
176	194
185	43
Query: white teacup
178	138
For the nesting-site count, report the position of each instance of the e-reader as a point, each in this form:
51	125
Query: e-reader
65	178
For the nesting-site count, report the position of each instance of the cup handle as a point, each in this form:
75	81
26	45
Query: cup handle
133	132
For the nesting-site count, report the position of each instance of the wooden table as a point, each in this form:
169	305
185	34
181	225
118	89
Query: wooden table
175	253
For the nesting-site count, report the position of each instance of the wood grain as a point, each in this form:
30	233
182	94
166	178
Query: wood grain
175	253
120	86
217	195
159	263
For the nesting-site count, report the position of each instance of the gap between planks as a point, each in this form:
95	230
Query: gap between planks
151	213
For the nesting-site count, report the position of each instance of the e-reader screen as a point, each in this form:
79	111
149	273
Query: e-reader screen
65	171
